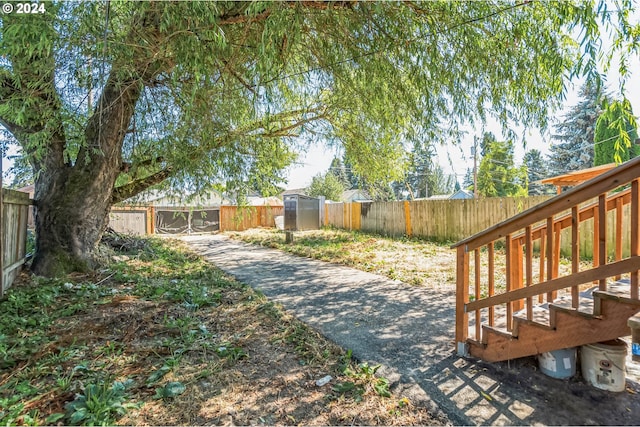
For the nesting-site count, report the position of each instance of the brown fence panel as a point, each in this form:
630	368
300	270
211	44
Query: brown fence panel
13	248
240	218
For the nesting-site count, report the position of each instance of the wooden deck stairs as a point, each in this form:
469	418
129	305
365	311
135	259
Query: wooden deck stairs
517	297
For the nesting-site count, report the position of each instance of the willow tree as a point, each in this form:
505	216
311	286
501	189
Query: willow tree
109	98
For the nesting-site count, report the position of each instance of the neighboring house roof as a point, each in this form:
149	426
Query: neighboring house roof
302	191
355	196
461	194
28	189
458	195
265	201
161	198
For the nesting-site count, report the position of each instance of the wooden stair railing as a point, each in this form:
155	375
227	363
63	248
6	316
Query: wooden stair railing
493	301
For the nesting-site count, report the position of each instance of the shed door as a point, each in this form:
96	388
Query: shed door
290	218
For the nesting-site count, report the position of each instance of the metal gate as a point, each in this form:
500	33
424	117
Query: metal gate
183	221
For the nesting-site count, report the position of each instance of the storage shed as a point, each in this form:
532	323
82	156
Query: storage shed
302	212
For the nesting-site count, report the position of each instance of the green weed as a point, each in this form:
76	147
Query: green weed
99	404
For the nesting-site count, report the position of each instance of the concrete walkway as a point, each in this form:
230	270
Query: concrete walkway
410	331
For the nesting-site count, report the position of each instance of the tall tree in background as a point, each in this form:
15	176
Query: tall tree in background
616	134
467	181
573	149
498	175
338	169
107	99
536	170
327	185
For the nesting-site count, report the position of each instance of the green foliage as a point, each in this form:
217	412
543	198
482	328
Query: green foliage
226	94
38	363
327	185
424	177
170	390
497	174
99	404
616	134
536	170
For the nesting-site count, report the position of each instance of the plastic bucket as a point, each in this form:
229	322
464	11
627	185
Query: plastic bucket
634	324
603	364
558	363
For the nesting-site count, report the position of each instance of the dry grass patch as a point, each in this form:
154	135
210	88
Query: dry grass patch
163	338
413	261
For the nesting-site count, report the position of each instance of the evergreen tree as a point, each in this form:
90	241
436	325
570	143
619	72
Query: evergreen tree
615	135
575	133
467	182
425	177
338	169
536	170
497	175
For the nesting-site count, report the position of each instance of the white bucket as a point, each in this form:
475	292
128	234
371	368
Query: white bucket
279	220
603	364
558	363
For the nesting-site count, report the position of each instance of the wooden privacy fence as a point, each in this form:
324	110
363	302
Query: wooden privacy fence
452	220
438	219
240	218
14	213
142	220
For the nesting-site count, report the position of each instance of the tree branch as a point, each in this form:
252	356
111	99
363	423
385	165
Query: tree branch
127	166
241	18
136	187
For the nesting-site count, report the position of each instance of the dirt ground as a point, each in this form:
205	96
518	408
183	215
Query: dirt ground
469	391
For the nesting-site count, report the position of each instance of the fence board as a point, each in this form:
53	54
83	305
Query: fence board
240	218
15	213
132	221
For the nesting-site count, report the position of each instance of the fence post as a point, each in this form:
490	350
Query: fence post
462	298
407	218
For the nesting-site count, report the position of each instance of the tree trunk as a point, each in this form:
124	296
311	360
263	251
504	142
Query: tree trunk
71	217
73	201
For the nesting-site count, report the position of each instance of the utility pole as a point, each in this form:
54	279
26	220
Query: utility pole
474	151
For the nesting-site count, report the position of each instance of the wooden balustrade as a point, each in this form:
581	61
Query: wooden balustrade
529	278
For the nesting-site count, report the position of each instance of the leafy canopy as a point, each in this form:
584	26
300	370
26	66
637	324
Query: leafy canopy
230	91
616	132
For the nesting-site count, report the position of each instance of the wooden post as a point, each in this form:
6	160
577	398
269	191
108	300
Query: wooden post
509	278
618	231
575	254
462	298
635	232
602	235
491	281
596	237
326	215
529	267
288	236
476	268
550	257
407	218
542	261
516	271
